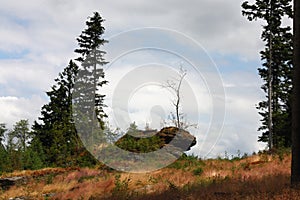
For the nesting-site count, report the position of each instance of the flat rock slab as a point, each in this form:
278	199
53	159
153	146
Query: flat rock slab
6	183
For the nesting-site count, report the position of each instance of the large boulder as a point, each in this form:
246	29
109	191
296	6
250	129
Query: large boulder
147	141
176	137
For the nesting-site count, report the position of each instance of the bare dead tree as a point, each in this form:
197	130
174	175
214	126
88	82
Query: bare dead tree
179	118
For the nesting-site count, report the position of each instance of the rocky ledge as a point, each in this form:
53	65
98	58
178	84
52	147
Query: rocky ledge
147	141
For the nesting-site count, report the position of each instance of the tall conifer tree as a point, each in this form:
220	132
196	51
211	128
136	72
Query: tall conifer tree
91	73
276	70
87	98
56	132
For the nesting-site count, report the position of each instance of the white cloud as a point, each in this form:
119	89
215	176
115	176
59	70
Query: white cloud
14	109
217	24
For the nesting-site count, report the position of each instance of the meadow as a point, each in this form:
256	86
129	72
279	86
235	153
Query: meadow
260	176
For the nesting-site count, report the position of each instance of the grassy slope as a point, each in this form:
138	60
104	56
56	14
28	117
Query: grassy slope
255	177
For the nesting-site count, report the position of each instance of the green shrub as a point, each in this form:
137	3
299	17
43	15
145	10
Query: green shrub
120	190
139	145
198	171
176	165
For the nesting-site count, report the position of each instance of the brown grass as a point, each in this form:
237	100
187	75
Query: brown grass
255	177
271	187
37	173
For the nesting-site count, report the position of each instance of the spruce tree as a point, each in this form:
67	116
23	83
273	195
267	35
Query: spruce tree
276	70
3	129
87	98
91	73
56	132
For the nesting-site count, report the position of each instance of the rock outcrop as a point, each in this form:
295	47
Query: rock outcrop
177	137
147	141
6	183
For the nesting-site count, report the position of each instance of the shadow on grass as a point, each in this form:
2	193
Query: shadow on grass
270	187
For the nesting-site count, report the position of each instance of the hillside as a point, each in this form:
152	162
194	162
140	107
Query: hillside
260	176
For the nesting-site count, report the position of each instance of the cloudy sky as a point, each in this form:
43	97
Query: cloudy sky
38	38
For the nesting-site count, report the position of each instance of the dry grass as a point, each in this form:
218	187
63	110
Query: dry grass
255	177
274	187
36	173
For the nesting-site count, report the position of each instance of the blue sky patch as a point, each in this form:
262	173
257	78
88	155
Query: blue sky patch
13	54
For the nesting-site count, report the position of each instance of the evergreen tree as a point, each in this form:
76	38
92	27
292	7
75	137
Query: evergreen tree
57	133
91	74
276	70
20	154
3	129
20	135
4	164
34	156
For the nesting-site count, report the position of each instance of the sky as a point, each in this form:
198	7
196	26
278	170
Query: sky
222	86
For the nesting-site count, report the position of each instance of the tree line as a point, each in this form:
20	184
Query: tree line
280	72
276	70
53	141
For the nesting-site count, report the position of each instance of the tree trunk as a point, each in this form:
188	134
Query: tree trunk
270	81
270	95
295	171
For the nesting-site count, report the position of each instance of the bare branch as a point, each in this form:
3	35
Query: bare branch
175	85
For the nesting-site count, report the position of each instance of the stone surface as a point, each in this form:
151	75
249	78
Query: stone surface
6	183
176	139
179	138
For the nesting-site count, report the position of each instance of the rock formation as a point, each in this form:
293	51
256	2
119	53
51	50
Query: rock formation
147	141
